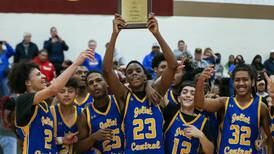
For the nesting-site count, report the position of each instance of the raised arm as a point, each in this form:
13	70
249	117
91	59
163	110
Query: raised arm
210	105
167	77
118	89
61	80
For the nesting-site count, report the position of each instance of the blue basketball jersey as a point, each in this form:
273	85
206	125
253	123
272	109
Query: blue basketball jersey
111	119
142	126
88	99
38	134
176	142
272	125
61	127
240	127
170	97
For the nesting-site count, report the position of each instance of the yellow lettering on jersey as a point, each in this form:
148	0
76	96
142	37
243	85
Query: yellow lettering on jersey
272	128
116	141
145	146
108	123
46	121
180	132
142	110
228	150
241	118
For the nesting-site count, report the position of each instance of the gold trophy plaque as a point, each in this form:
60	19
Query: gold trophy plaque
135	12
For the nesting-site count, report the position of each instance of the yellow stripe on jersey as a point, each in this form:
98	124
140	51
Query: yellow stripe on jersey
53	112
172	121
88	120
190	122
125	111
243	107
64	119
259	112
81	103
102	113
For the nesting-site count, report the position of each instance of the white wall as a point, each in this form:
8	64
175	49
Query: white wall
228	36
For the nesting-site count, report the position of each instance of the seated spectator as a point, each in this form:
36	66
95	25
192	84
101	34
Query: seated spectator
228	64
261	87
66	64
257	64
198	62
147	61
56	47
46	67
26	50
96	63
209	56
219	68
269	64
5	54
181	51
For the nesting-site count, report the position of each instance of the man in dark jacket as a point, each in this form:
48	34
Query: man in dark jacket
56	47
26	50
269	63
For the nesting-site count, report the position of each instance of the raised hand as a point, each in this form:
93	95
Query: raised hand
118	23
207	73
89	54
152	24
270	86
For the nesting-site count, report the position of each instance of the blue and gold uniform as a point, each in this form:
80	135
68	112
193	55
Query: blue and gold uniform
142	126
175	139
61	127
241	127
38	134
272	122
110	119
171	97
88	99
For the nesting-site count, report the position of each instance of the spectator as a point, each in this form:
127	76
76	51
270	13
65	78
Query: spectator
26	50
147	61
56	47
8	139
117	57
269	64
257	64
66	64
159	64
96	63
228	64
239	60
261	87
198	61
46	67
182	51
209	56
4	67
219	68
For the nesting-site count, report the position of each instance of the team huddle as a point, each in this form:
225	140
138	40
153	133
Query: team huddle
141	116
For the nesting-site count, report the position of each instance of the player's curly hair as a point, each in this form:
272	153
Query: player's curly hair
18	76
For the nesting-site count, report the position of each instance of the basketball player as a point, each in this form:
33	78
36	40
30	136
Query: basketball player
100	124
65	115
142	123
243	116
32	112
186	130
83	97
